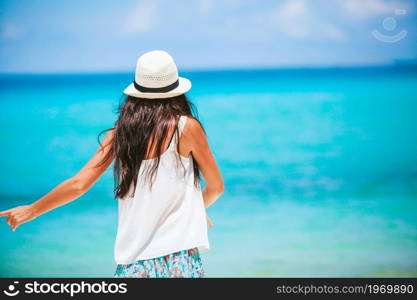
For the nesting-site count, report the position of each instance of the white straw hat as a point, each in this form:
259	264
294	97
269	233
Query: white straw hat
156	76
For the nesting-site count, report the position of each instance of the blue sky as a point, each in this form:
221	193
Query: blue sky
103	36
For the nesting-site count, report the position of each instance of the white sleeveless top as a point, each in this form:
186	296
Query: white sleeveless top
166	218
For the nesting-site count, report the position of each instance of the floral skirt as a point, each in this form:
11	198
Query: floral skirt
181	264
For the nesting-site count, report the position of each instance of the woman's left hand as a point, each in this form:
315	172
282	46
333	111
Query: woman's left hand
19	215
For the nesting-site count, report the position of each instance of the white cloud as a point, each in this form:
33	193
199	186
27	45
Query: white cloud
296	19
141	19
205	7
10	31
369	8
291	18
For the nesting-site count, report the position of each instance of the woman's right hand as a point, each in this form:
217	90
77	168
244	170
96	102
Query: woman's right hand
18	215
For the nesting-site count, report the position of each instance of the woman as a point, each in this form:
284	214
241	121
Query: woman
158	148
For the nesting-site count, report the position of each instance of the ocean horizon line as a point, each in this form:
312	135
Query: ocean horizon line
393	66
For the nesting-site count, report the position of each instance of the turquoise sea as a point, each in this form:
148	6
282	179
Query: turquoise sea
320	170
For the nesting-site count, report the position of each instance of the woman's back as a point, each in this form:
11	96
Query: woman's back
166	217
162	227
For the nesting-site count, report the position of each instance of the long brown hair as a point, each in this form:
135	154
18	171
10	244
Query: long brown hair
144	124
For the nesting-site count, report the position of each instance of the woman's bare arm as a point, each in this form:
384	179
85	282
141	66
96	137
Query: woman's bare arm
196	141
66	191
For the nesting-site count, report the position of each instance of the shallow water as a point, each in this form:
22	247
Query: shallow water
319	167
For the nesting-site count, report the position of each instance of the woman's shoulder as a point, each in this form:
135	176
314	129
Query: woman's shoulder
191	126
193	132
191	122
